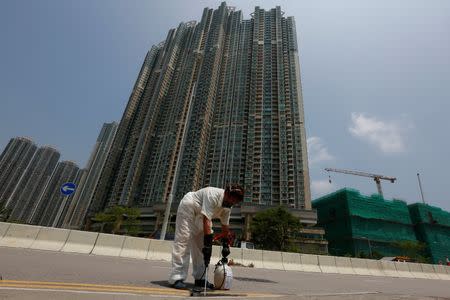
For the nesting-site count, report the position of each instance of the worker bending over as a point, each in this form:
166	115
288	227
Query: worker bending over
193	231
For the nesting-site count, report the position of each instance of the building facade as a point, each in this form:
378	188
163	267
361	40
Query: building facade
432	227
361	225
218	102
13	163
32	184
46	211
77	210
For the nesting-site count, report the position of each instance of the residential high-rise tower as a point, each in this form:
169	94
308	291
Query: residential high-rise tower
13	162
32	183
79	205
46	209
217	102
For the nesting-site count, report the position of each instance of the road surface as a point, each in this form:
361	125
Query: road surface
35	274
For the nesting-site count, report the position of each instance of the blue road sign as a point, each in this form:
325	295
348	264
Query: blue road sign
68	188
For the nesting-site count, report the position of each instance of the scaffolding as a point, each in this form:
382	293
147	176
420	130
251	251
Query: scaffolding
356	224
432	226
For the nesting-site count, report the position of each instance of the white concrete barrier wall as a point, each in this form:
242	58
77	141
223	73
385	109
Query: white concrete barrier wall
291	261
447	269
327	264
416	270
134	247
310	263
108	244
19	235
3	228
428	270
52	239
80	242
375	267
441	272
272	260
56	239
344	265
389	268
236	255
160	250
403	269
360	267
252	257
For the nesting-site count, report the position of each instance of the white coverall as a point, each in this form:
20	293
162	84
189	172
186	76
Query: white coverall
189	230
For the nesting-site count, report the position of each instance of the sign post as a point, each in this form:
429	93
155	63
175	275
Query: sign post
66	190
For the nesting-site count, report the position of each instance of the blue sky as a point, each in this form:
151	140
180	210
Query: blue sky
375	79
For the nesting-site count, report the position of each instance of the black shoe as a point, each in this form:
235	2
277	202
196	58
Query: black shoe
201	283
179	284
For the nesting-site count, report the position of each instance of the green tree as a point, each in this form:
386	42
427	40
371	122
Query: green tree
274	228
412	249
117	217
361	254
376	254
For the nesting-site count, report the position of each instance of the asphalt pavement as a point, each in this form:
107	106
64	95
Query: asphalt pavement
35	274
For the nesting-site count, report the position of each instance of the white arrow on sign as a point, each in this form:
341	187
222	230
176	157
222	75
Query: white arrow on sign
67	188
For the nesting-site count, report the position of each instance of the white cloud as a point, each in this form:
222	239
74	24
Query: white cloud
321	187
388	136
317	151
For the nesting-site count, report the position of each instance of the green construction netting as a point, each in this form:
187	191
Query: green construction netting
376	207
376	248
352	220
423	213
347	203
382	230
432	227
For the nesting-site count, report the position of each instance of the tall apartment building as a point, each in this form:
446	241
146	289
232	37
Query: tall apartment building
218	101
32	183
67	201
81	201
13	162
47	207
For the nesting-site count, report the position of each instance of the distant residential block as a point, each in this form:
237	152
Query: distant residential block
51	203
77	210
13	163
32	184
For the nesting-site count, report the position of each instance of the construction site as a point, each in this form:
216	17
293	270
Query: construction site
370	226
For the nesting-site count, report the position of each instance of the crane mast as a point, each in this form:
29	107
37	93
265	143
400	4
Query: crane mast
376	177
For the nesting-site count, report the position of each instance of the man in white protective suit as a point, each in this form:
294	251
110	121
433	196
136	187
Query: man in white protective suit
193	231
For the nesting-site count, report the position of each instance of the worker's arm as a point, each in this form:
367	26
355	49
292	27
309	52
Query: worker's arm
207	224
